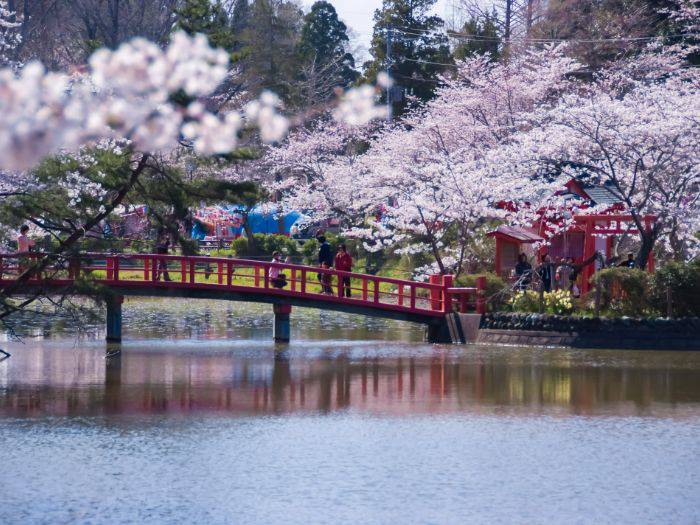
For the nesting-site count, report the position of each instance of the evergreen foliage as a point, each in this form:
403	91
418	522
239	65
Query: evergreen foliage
209	18
323	50
487	41
418	48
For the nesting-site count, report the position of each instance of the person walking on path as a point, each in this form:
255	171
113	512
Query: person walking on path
343	262
577	269
325	261
162	248
563	274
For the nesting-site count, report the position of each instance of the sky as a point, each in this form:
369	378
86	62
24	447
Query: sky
357	15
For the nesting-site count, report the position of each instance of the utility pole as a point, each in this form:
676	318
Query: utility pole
389	109
507	29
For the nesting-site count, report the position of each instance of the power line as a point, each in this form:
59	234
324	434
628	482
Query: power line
417	79
465	36
457	66
457	34
429	62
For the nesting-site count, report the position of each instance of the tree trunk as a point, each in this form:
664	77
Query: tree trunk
648	241
252	247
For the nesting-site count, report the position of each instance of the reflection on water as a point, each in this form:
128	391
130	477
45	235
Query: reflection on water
255	377
202	419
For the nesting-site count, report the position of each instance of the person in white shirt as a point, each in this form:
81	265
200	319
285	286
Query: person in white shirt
277	278
24	243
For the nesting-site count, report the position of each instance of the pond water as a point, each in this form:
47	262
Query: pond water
201	418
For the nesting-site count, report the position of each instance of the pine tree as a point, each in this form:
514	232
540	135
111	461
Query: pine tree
208	18
325	61
270	58
240	18
418	49
487	41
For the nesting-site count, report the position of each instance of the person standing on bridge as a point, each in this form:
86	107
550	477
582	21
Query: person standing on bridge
325	261
24	243
343	263
277	278
162	266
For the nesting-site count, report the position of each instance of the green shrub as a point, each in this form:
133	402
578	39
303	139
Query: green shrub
239	247
310	252
266	245
623	291
678	283
142	246
495	289
525	301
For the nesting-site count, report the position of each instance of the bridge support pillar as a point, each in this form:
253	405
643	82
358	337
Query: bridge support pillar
281	331
114	318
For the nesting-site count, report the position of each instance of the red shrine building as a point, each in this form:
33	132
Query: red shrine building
589	233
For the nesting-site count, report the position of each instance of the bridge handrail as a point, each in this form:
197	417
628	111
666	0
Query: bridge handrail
237	262
441	294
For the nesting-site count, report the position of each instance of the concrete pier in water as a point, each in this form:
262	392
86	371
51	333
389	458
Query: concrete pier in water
281	331
114	318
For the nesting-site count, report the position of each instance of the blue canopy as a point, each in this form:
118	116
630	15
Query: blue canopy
261	221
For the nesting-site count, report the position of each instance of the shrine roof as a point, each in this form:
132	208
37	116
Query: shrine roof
518	234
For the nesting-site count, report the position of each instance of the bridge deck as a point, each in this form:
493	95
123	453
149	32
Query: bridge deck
246	280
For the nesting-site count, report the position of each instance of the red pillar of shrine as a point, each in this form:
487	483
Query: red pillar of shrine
498	256
588	251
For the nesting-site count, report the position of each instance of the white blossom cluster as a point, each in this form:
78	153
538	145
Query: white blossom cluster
130	93
125	94
78	187
263	113
85	186
358	106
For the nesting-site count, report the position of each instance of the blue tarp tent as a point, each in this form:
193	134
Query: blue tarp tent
261	220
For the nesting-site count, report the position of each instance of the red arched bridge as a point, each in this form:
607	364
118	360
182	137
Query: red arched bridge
225	278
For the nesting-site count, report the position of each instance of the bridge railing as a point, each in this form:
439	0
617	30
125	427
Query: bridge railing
154	270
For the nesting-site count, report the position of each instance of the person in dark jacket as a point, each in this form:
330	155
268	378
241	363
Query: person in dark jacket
629	263
325	261
325	253
162	248
523	271
546	273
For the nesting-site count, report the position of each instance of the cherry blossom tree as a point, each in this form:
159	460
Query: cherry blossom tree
425	185
9	35
635	128
498	143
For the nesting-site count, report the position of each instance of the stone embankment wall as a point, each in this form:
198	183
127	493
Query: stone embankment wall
583	332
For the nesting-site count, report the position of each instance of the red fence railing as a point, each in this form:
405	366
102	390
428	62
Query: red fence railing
152	270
